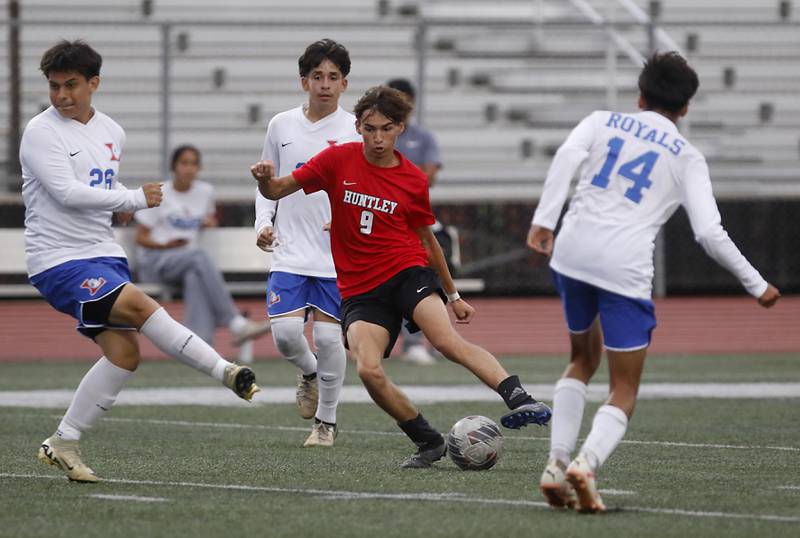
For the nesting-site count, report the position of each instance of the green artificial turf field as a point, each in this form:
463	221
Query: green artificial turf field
688	466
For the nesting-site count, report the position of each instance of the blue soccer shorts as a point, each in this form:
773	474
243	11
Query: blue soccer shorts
627	322
72	285
288	292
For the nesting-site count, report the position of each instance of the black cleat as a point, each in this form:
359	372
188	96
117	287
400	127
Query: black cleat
533	413
425	457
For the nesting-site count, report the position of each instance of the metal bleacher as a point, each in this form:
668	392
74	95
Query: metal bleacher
505	81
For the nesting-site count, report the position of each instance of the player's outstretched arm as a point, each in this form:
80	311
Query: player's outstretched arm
461	309
269	186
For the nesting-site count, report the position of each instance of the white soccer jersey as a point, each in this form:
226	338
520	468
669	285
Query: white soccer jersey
70	188
303	247
636	169
180	215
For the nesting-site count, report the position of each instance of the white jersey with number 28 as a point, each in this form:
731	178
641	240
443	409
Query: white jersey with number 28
70	187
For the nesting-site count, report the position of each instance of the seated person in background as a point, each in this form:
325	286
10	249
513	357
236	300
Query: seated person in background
167	236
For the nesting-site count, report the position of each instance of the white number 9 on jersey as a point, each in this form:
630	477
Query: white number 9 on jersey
366	222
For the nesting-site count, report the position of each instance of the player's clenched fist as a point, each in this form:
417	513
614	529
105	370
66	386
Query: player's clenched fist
265	239
462	310
263	170
769	297
153	194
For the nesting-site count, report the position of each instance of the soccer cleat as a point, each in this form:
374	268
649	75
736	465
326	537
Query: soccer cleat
321	435
67	456
306	396
554	486
425	457
241	380
580	475
251	331
532	413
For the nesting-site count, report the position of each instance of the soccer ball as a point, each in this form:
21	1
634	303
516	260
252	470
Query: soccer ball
475	443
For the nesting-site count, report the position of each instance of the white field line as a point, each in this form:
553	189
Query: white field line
424	497
613	492
795	488
135	498
235	425
221	397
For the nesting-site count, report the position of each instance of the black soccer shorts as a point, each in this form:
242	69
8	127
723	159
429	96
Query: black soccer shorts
391	302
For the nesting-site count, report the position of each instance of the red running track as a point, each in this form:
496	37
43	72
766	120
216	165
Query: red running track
32	330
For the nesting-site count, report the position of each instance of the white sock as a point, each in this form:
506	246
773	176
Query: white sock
237	323
569	399
287	332
183	345
331	364
95	395
608	429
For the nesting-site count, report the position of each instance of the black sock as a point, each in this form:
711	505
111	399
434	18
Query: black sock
421	433
310	377
512	392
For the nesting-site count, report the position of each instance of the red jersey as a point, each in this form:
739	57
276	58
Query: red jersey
374	214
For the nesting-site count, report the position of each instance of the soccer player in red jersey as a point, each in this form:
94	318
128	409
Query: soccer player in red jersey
382	246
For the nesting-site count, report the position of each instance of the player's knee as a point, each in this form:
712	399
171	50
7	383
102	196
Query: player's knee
288	339
133	307
327	340
450	345
371	374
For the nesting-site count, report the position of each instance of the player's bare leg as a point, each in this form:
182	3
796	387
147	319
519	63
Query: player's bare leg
367	343
586	351
432	317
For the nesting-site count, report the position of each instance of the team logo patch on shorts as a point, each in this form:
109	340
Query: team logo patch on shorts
274	298
93	285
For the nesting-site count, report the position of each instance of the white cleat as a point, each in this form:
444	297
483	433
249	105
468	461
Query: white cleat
67	456
581	476
554	486
241	380
306	396
321	435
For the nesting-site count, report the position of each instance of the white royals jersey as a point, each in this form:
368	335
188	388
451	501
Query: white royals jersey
70	188
180	215
302	246
635	170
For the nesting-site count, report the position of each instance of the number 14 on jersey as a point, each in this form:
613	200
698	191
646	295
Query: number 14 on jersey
637	170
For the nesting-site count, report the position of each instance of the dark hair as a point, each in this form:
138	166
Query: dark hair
404	85
324	49
177	152
390	102
667	82
67	56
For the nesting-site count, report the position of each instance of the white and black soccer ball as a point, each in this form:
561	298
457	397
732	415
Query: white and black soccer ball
475	443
